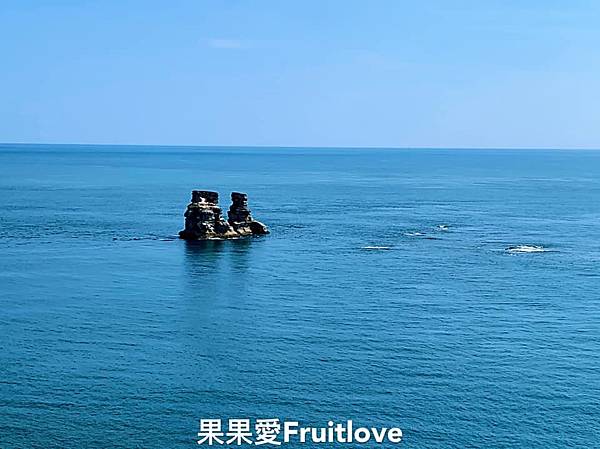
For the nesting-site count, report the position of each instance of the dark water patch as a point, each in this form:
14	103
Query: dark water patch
162	238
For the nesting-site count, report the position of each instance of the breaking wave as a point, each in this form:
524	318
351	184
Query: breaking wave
526	249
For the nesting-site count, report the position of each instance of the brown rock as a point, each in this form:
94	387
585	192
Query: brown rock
204	221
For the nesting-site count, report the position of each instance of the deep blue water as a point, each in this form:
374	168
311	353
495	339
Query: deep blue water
114	334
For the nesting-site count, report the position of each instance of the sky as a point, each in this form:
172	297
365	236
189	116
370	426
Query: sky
378	73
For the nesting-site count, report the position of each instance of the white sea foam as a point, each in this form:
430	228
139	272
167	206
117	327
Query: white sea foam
526	249
374	248
414	234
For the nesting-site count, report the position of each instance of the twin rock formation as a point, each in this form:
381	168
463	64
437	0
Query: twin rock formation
204	221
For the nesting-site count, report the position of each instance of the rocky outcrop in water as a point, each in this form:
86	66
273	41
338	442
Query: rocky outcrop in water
204	220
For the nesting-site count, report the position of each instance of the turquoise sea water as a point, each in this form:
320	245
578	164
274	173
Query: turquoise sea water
115	334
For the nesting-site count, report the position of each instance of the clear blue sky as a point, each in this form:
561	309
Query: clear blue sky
302	73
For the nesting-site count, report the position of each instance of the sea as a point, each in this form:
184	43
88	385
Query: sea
454	294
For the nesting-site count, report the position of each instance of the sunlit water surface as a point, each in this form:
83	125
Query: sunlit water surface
454	294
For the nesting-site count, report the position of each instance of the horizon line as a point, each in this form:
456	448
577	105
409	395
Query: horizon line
309	147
